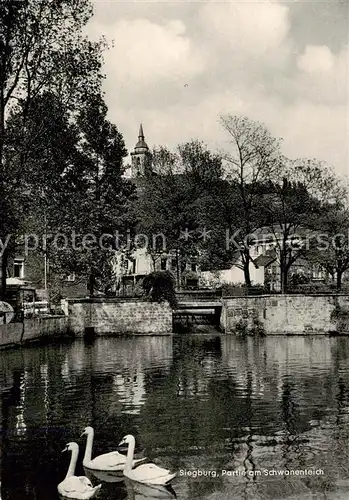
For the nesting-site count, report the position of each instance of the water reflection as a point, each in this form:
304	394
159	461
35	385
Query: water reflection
194	402
104	476
138	491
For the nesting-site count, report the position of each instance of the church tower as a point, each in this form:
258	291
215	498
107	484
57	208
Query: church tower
141	156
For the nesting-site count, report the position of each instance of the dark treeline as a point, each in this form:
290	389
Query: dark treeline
61	159
212	207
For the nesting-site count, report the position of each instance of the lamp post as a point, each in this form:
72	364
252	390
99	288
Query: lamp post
45	240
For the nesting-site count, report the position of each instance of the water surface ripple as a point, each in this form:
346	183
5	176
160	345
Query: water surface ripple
199	404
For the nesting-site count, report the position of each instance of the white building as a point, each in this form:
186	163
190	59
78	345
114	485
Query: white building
264	266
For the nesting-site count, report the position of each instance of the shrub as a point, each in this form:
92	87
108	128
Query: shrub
241	328
313	288
240	289
138	290
245	328
159	286
298	279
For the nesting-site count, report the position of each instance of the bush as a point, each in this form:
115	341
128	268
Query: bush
298	279
313	288
245	328
241	290
190	280
138	290
159	286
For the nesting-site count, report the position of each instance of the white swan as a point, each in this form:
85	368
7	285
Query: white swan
146	473
113	461
77	487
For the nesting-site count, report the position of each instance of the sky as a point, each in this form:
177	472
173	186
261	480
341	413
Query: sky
176	66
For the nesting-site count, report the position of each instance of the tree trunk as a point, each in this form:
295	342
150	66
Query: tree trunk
154	259
339	280
3	271
3	264
91	283
284	277
178	270
246	267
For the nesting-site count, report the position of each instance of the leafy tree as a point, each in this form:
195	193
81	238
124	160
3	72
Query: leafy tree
253	160
49	142
292	210
102	198
221	219
331	249
159	286
73	186
42	48
45	183
170	200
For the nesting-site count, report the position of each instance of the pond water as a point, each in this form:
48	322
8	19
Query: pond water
254	419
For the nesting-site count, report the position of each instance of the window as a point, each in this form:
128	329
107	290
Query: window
70	277
18	269
316	272
194	267
173	263
133	266
163	264
159	243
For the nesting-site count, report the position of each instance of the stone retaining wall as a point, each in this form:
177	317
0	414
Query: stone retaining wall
118	316
35	329
286	314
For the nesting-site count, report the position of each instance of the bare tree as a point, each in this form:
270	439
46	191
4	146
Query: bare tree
253	160
294	210
331	251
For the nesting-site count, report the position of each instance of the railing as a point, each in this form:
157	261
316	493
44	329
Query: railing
31	309
198	295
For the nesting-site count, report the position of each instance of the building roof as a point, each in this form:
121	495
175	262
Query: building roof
265	258
16	281
276	231
141	144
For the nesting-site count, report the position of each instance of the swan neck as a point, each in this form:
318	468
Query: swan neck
73	460
88	449
130	453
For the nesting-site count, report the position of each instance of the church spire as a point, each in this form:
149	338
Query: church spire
141	145
141	133
141	156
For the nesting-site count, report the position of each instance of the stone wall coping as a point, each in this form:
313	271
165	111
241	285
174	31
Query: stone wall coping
288	295
111	300
96	300
199	292
51	316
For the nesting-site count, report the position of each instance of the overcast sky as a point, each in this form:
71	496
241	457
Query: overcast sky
176	66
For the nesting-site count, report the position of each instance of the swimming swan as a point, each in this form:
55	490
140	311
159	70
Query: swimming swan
146	473
113	461
77	487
